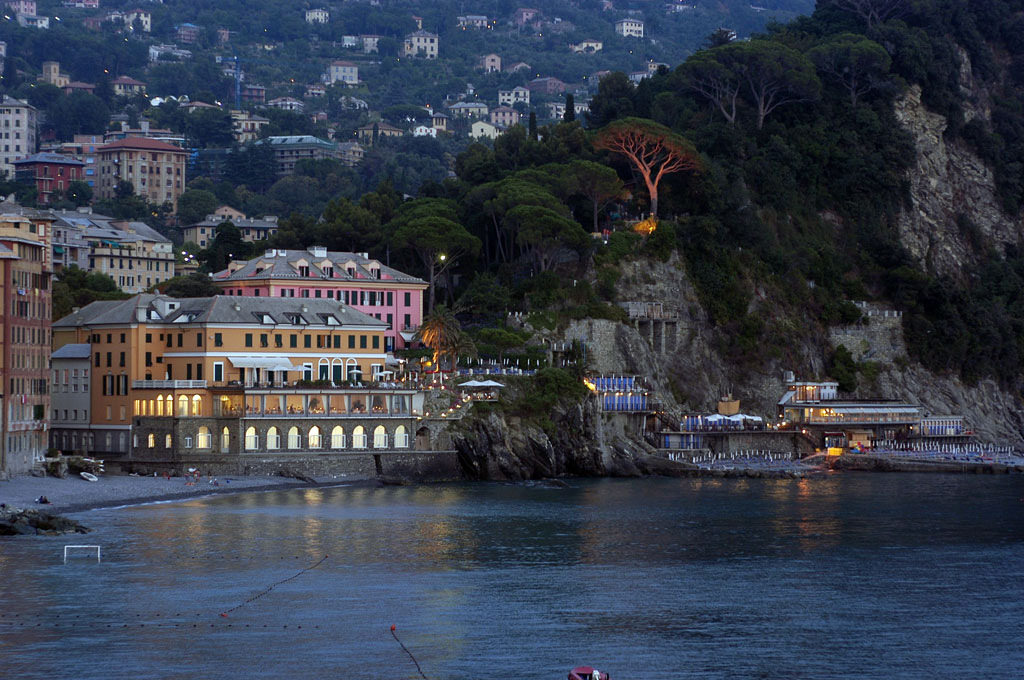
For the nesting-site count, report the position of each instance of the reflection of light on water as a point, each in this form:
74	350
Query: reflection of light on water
434	541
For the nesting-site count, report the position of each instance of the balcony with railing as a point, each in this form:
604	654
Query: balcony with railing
168	384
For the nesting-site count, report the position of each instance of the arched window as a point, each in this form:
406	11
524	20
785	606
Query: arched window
182	405
252	440
323	370
151	440
137	411
197	405
359	437
294	438
338	437
109	439
314	438
225	439
152	406
380	437
167	441
273	438
204	440
401	437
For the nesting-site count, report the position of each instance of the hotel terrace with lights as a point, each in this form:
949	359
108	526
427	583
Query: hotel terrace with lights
865	424
227	379
353	279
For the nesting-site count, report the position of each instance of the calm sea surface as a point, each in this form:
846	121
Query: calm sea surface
848	576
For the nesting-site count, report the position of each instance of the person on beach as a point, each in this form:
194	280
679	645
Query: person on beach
43	500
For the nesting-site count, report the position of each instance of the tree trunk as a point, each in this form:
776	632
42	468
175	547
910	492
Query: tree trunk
595	215
430	308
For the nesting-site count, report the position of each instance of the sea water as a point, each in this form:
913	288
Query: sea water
844	576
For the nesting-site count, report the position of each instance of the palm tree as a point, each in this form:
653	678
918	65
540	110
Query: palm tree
440	331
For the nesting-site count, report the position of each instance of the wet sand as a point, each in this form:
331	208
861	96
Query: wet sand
75	494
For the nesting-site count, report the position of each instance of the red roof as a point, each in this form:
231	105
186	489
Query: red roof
141	143
128	80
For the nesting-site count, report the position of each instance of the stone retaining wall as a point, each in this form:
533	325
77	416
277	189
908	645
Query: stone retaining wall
414	466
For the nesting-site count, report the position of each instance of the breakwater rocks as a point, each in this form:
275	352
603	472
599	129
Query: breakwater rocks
17	522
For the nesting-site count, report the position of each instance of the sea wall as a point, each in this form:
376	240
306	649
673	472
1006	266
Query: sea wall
867	463
424	466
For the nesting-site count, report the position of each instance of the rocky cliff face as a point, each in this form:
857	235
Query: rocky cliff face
679	354
583	442
948	184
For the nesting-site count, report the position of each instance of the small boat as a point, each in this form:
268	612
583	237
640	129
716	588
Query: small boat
587	673
89	477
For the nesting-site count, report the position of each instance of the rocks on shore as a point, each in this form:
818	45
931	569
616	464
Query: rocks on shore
18	522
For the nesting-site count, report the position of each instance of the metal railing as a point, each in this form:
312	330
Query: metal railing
167	384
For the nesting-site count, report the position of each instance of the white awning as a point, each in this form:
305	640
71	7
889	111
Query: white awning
270	363
407	335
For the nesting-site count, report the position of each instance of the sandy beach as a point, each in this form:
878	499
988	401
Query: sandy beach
74	494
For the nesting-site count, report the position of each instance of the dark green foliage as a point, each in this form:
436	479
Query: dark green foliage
191	285
227	245
550	386
485	299
843	369
195	204
73	287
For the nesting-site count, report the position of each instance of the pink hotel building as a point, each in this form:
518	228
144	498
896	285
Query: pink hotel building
353	278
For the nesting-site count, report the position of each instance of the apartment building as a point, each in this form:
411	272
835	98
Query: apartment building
18	121
290	149
155	169
421	44
514	96
51	173
25	311
630	28
252	229
370	287
134	255
344	72
247	126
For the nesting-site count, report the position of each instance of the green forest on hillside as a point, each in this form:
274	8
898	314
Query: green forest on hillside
788	216
751	220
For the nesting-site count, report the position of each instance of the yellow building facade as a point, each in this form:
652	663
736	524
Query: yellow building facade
178	369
